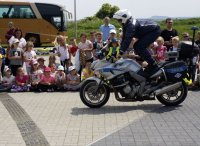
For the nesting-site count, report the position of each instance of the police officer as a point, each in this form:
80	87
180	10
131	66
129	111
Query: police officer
142	33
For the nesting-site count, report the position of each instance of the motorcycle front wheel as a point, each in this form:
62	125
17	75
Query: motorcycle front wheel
174	97
94	96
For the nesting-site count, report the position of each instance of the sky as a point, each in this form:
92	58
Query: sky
138	8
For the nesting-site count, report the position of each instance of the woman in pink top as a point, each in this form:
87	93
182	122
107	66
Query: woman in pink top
21	81
47	82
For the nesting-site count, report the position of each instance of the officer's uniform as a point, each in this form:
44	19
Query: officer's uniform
146	31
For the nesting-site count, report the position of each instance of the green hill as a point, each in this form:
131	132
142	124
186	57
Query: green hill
92	24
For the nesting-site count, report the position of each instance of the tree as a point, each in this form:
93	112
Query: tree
106	10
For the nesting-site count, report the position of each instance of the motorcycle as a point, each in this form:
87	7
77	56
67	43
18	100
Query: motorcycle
127	80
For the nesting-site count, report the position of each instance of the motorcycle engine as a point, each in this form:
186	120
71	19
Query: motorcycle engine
131	91
127	89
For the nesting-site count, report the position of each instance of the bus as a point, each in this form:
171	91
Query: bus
39	22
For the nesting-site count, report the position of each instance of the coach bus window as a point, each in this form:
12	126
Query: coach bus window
21	12
57	22
4	11
51	13
65	16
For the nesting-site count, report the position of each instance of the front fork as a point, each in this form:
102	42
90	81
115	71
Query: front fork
99	86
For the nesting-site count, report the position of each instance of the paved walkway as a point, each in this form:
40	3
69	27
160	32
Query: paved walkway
59	119
174	126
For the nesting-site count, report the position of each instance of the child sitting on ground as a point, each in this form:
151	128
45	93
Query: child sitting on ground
7	81
87	72
53	70
73	80
35	75
21	81
47	82
60	77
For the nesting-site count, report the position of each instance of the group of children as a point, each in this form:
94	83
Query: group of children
40	79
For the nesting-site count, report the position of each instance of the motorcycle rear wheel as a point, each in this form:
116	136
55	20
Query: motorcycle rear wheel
179	98
94	99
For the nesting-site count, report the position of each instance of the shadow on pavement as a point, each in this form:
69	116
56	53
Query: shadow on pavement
148	108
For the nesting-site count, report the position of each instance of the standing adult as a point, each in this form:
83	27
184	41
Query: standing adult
8	35
11	31
169	33
106	27
18	35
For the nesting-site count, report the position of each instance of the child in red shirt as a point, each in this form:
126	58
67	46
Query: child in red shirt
73	46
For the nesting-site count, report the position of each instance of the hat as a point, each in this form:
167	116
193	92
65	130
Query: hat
47	69
113	31
41	59
71	68
15	41
6	69
34	62
60	67
114	40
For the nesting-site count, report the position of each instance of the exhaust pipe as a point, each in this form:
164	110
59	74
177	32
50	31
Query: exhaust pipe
167	88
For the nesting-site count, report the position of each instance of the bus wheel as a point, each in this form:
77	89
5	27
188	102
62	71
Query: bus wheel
33	38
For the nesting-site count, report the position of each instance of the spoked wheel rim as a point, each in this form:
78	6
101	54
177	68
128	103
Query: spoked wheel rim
174	96
91	96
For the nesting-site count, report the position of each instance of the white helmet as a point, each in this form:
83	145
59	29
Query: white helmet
123	15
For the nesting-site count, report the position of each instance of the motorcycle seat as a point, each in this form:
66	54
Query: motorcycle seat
161	64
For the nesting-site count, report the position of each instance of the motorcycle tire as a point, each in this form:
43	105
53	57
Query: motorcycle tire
90	85
179	100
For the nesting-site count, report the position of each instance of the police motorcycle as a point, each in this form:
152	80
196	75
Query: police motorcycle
127	80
